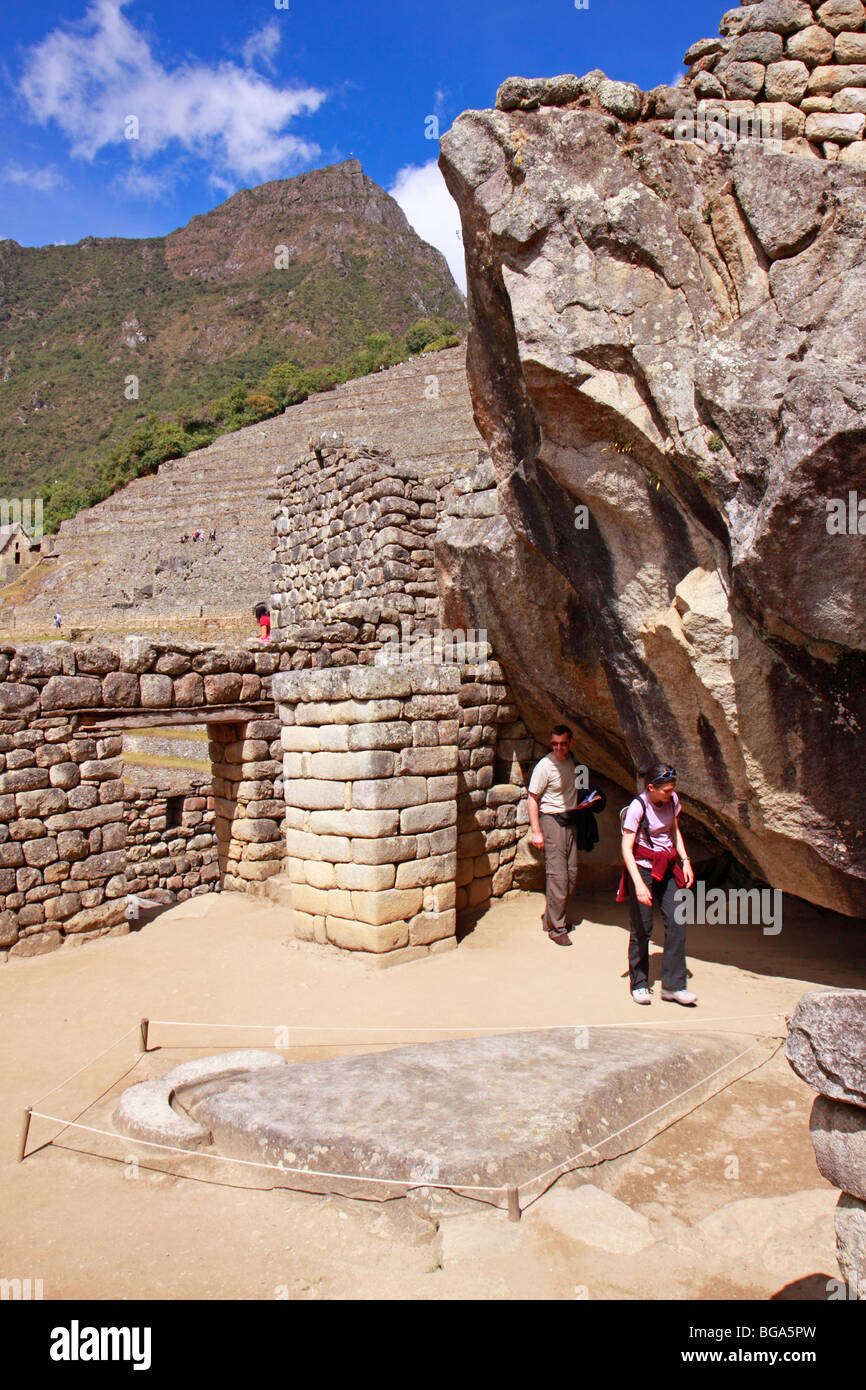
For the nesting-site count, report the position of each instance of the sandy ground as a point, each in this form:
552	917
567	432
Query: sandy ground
90	1224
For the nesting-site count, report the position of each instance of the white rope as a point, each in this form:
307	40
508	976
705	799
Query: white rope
60	1085
593	1148
462	1028
410	1183
253	1163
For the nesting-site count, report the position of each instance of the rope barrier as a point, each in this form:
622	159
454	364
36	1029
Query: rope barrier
99	1055
593	1148
461	1027
409	1183
512	1191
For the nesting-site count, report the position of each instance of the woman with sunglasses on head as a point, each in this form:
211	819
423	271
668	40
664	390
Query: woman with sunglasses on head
657	864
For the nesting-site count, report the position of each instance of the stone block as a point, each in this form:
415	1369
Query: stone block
64	775
851	100
389	793
832	77
300	738
850	1223
839	15
428	761
786	81
189	690
304	846
826	1043
390	734
421	873
40	853
384	849
334	738
838	1132
850	48
347	767
435	815
432	926
840	127
38	945
120	690
46	802
156	691
90	919
99	866
223	688
479	891
314	795
256	830
17	699
349	712
64	906
24	779
257	871
101	769
365	936
370	878
317	873
389	905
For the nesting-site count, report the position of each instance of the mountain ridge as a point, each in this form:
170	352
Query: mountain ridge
198	312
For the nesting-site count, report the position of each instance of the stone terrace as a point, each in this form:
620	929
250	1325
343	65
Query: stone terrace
124	555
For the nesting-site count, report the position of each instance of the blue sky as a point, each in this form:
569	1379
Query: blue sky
229	93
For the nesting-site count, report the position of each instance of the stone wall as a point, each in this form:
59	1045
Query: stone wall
353	549
797	69
370	781
495	755
248	801
65	825
171	842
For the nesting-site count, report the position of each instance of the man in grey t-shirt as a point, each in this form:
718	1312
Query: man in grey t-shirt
553	791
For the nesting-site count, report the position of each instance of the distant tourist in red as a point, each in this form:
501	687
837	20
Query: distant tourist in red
262	614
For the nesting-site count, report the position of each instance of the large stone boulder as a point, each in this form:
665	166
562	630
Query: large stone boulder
665	360
826	1043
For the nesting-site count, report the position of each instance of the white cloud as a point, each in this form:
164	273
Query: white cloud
91	76
422	194
263	44
42	180
138	183
677	79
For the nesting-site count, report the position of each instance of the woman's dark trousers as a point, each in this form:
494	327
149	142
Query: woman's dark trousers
641	918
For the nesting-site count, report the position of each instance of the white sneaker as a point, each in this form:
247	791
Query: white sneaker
679	996
641	996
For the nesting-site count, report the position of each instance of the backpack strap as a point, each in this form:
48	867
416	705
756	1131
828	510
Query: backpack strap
643	825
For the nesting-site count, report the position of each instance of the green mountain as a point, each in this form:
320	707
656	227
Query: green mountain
282	290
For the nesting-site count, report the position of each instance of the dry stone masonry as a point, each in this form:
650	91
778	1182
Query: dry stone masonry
370	780
827	1048
171	842
353	554
794	68
74	841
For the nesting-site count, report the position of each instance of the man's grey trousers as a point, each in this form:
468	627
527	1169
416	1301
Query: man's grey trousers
560	869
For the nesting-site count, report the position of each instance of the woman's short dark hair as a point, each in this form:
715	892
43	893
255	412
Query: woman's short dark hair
657	774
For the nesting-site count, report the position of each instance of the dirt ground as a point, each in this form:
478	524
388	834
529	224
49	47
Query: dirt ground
737	1208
